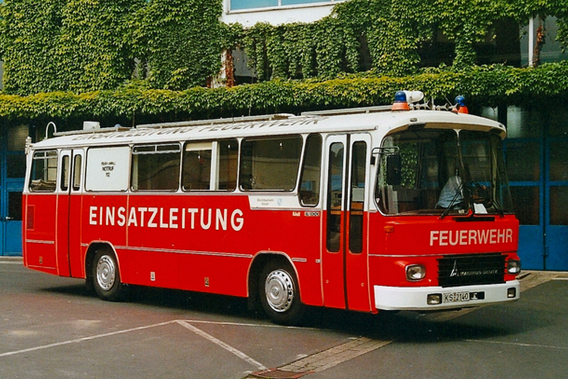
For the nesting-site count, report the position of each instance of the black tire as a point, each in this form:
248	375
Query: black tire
280	295
106	277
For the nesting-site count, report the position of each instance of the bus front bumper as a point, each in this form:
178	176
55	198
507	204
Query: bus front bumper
436	298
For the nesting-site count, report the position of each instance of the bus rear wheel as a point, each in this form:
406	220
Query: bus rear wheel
106	277
280	295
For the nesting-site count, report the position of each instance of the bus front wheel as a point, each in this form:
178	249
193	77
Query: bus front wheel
279	294
106	277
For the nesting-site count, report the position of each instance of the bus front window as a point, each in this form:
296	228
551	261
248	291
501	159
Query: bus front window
444	171
485	173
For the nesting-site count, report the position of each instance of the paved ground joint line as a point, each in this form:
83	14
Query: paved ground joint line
222	344
520	344
350	350
83	339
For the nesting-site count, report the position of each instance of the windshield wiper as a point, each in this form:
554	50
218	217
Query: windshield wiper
481	195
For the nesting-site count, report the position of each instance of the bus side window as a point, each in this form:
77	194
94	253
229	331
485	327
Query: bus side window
77	173
43	176
228	162
65	173
311	171
270	164
196	174
155	167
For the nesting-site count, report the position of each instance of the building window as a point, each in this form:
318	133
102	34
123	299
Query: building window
255	4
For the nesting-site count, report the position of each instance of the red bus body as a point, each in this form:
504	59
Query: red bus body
219	241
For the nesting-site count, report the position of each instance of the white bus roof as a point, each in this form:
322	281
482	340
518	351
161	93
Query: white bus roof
309	122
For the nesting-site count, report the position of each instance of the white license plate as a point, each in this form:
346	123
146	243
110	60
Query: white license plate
456	297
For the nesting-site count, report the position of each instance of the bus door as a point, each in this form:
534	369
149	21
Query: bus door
62	214
345	273
68	214
76	264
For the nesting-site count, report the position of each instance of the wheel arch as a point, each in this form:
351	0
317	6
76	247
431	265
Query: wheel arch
259	261
90	255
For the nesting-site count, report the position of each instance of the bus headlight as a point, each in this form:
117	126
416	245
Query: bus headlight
513	266
415	272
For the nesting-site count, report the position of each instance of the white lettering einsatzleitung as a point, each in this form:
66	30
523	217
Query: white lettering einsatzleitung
167	218
470	237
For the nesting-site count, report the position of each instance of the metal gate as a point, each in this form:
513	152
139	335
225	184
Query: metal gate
12	172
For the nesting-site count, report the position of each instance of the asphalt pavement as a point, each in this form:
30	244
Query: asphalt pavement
52	327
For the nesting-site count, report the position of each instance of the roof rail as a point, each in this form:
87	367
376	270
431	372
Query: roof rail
229	120
92	131
345	111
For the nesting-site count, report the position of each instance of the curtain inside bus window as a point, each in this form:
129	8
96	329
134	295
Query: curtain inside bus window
196	174
106	168
311	171
228	163
43	176
270	164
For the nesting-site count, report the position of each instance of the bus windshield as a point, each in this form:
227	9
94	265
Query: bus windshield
442	172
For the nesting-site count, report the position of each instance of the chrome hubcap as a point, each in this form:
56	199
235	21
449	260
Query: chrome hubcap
279	290
106	272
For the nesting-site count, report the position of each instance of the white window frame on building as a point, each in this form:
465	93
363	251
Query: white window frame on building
275	12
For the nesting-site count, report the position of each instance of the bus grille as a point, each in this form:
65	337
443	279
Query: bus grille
465	270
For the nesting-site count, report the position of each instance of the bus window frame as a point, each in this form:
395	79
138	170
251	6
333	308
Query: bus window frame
289	137
156	151
48	154
301	171
212	147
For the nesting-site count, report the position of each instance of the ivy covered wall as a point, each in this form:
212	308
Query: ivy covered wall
483	86
179	42
150	60
86	45
393	32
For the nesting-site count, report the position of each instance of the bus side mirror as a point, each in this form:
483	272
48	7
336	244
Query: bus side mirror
394	168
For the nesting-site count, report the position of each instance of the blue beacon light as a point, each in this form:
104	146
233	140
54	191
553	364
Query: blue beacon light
460	104
400	102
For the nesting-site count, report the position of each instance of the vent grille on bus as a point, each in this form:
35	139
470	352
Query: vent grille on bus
465	270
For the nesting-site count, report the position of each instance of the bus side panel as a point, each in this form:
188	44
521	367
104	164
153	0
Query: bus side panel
207	243
102	220
218	260
296	234
39	232
201	242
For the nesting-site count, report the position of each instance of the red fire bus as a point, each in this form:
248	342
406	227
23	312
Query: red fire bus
362	209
